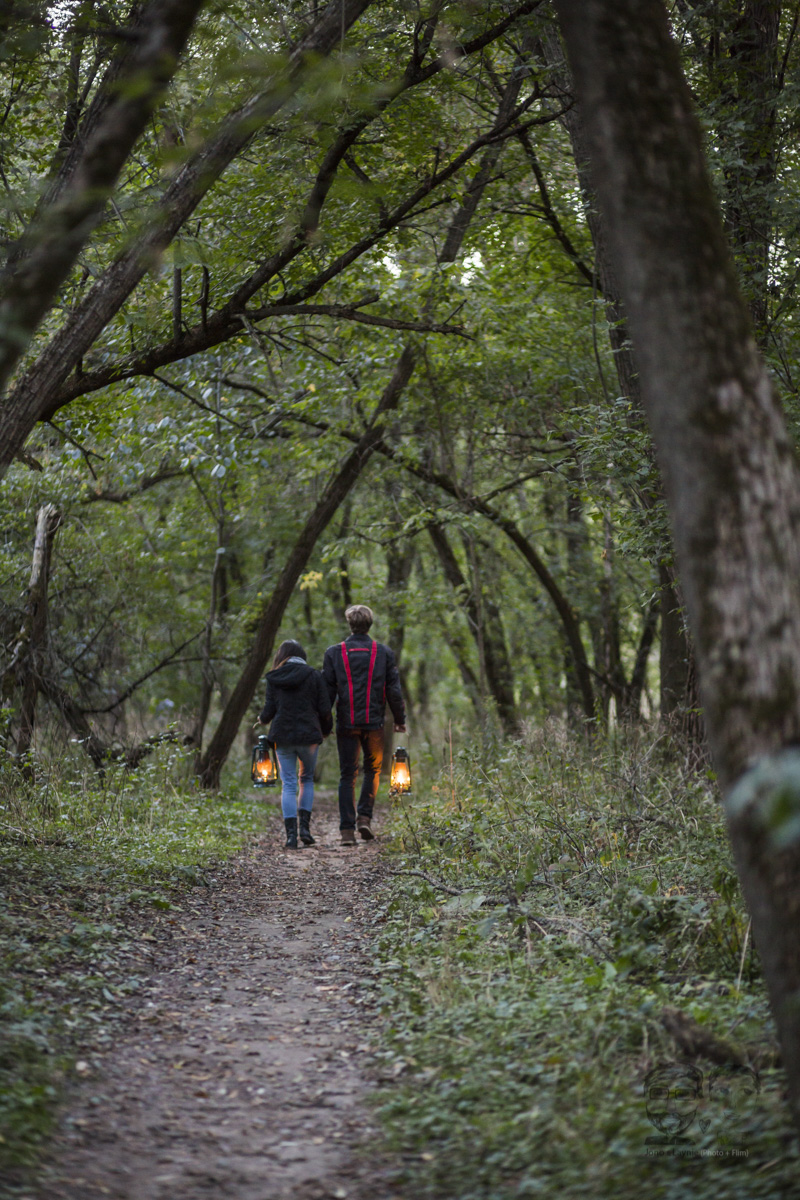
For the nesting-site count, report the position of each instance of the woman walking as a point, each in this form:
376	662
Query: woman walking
299	708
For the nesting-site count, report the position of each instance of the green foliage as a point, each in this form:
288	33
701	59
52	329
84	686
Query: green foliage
593	891
589	893
88	867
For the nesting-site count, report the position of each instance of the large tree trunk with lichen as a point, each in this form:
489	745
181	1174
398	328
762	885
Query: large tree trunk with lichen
676	651
730	475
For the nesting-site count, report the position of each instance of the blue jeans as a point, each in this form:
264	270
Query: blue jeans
287	757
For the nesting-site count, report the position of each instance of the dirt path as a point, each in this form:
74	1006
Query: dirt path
242	1075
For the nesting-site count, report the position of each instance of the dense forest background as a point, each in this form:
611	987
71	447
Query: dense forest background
307	306
507	527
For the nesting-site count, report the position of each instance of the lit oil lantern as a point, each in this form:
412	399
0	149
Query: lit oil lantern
264	771
400	778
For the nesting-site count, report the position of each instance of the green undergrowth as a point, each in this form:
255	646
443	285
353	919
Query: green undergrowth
560	924
90	871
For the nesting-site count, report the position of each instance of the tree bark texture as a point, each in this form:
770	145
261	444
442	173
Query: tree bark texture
730	474
25	670
676	655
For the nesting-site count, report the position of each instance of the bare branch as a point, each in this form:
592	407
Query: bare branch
137	683
348	312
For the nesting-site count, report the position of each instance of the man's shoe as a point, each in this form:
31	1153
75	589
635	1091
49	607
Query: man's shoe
305	832
348	837
290	824
364	827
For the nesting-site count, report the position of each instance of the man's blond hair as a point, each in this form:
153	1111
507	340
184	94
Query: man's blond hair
359	617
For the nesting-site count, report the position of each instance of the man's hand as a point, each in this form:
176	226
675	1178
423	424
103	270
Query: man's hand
257	725
400	728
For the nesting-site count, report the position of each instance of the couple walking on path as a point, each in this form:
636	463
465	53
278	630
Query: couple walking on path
360	675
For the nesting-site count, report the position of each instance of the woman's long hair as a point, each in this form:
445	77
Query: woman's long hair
288	650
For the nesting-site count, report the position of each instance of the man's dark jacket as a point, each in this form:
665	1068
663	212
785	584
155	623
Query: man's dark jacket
361	676
297	704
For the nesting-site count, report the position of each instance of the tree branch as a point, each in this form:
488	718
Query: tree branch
31	400
52	243
137	683
144	485
226	322
347	312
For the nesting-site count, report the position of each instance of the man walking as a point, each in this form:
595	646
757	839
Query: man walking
362	677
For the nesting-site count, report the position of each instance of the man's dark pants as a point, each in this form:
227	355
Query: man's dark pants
350	743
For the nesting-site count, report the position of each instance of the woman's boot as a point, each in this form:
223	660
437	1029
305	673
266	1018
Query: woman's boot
305	831
291	832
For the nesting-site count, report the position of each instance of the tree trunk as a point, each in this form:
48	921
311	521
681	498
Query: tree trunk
630	703
751	62
605	272
207	676
674	647
25	670
487	637
217	609
324	511
401	560
580	570
607	281
731	479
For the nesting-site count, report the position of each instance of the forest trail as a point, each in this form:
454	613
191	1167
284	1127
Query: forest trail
242	1075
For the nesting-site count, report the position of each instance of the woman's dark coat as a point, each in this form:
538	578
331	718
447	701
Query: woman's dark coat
298	705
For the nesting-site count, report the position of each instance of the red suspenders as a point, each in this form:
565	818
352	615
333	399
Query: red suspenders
372	658
346	661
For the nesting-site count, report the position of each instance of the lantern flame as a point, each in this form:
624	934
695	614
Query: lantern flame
400	777
264	768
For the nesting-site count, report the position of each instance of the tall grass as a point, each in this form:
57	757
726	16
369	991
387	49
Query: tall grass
560	923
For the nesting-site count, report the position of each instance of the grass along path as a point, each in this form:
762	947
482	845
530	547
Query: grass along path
238	1070
545	931
559	923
